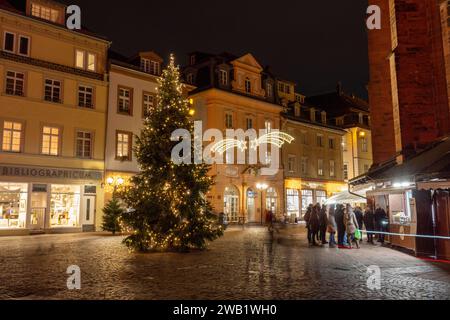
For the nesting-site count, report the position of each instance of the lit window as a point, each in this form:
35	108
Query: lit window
268	126
125	101
320	167
123	142
52	90
91	65
248	85
84	144
344	143
9	41
149	102
50	141
45	13
85	97
15	82
80	59
12	136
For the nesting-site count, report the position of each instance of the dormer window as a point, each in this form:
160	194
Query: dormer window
190	78
269	90
44	12
324	117
150	66
248	86
313	114
223	77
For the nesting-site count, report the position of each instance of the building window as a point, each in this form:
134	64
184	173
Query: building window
85	60
228	121
292	202
324	117
320	141
125	101
15	82
280	87
124	146
332	168
304	166
321	197
150	66
249	123
288	89
307	199
12	136
269	89
344	143
268	126
190	78
331	143
9	41
24	46
149	102
52	90
65	206
45	13
86	97
291	164
320	167
248	86
345	171
84	144
223	77
364	144
304	137
50	141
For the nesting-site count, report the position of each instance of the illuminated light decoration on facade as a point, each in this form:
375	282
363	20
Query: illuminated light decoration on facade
274	138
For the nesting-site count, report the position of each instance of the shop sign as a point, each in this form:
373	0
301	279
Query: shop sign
36	172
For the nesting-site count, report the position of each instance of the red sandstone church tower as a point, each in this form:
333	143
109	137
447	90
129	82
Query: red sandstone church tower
409	76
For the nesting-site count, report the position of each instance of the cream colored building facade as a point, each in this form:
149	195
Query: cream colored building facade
53	101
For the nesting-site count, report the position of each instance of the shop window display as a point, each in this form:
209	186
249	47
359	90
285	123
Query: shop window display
64	206
13	205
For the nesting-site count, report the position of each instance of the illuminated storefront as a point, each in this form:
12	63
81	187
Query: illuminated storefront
39	200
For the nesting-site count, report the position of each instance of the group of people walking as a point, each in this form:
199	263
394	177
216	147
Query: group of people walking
346	223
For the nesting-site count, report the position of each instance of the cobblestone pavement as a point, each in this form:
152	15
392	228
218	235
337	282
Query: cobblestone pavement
244	264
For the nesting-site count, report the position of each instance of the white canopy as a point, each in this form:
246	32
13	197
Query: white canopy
345	197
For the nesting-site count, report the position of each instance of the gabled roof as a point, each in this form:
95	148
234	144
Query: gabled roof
338	103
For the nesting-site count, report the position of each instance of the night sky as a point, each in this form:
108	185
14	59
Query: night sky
314	43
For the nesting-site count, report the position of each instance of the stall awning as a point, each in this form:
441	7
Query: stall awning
346	197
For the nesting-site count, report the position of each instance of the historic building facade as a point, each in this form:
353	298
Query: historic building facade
132	92
353	115
53	105
313	166
235	93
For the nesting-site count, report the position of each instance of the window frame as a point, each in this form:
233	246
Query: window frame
129	157
20	36
130	100
14	41
223	77
292	160
22	135
92	107
147	93
53	86
320	168
60	136
91	149
248	85
332	168
15	83
228	116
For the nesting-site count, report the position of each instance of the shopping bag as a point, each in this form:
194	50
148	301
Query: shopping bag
358	235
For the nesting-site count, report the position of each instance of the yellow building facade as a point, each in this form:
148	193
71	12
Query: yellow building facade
53	105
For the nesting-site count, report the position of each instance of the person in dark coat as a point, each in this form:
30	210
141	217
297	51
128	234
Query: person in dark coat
332	227
307	218
323	224
339	215
314	223
369	222
381	220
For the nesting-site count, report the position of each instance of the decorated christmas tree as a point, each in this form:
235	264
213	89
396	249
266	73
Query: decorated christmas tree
169	206
111	216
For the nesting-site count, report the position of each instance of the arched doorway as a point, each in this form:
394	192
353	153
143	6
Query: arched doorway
272	200
231	203
251	197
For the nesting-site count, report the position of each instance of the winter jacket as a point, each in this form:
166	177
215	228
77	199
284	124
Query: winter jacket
323	219
369	220
314	223
332	226
350	221
359	217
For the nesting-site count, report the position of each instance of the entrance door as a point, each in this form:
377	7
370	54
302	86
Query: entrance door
88	210
231	203
251	205
38	210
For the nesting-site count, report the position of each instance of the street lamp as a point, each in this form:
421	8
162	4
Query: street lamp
262	187
115	182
